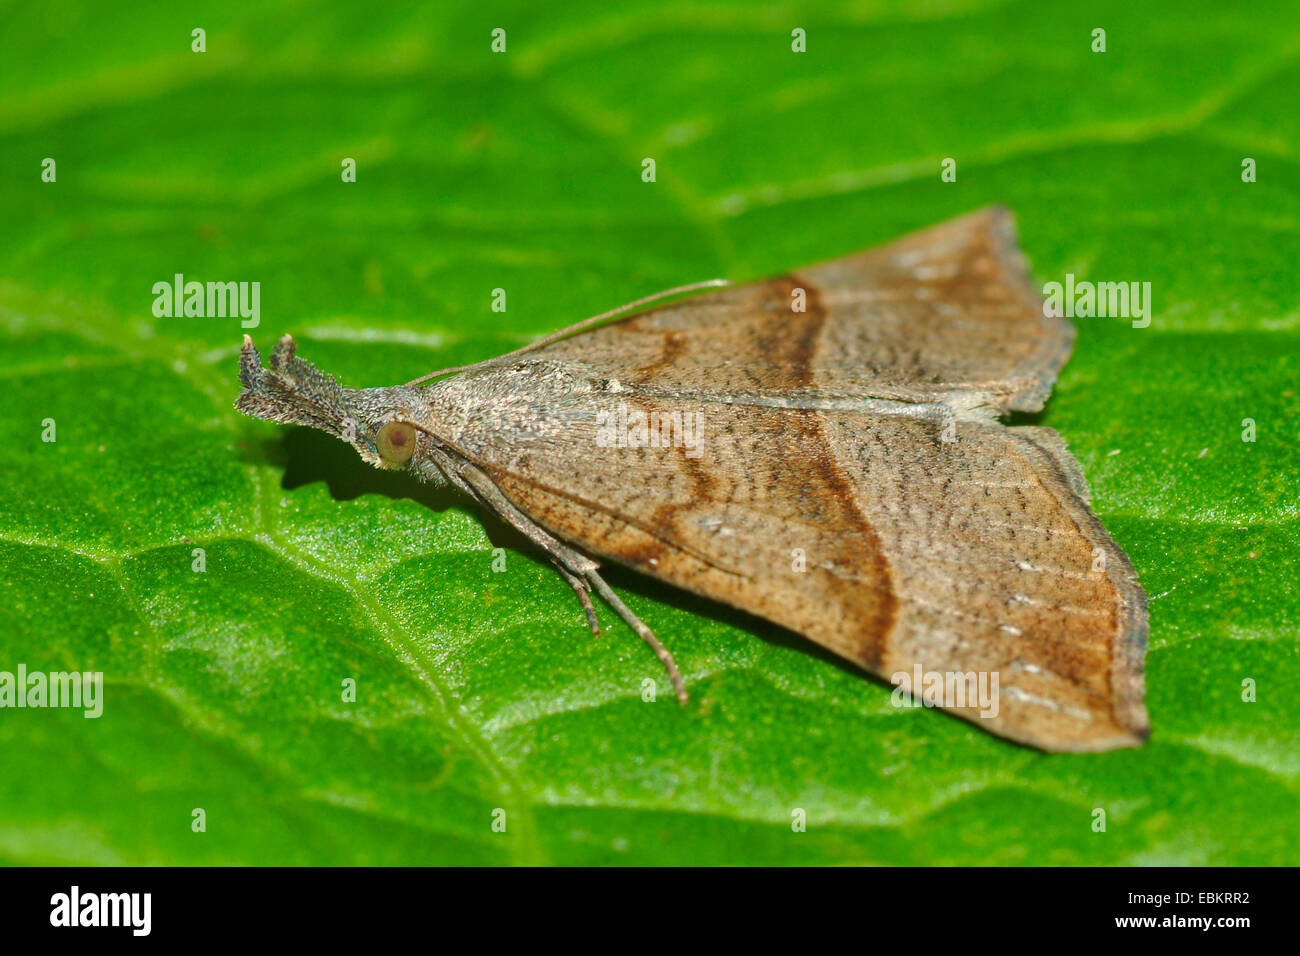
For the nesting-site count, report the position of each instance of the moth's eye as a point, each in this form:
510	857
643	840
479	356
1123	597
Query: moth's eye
396	443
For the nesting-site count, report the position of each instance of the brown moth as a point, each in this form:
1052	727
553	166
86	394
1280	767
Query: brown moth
848	479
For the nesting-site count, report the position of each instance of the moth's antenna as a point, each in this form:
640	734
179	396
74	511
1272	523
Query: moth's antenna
578	327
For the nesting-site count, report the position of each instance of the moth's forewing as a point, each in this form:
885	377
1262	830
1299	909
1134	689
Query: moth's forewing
872	536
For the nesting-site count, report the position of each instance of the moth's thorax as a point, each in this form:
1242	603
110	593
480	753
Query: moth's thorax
526	401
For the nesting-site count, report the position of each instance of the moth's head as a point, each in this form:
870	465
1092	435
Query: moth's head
374	421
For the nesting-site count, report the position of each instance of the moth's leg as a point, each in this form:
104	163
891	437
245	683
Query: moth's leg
451	468
583	590
643	632
571	563
483	488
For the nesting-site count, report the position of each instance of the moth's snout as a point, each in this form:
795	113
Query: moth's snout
292	391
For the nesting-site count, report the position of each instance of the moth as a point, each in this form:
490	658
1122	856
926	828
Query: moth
850	479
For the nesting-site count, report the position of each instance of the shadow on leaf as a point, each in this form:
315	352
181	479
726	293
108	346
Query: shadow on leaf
309	456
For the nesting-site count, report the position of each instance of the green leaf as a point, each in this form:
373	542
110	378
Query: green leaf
480	691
